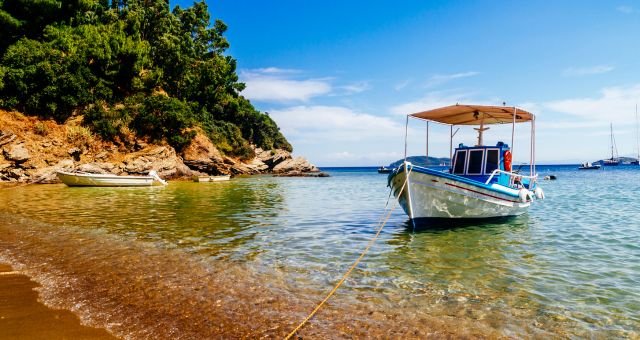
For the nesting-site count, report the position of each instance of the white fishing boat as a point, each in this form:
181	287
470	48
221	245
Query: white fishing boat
481	182
83	179
219	178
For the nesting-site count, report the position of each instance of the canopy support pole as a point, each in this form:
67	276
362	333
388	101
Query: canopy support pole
531	161
513	130
451	147
406	133
427	142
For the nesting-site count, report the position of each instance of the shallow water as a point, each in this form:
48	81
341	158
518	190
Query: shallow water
252	256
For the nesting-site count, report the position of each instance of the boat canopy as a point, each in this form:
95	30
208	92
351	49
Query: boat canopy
475	115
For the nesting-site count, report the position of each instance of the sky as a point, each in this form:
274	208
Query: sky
339	77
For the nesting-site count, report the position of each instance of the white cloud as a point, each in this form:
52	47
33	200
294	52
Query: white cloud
599	69
402	85
333	123
625	9
276	70
356	87
443	78
613	104
271	85
433	100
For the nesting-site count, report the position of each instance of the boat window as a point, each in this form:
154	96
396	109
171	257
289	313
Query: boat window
493	159
474	166
458	167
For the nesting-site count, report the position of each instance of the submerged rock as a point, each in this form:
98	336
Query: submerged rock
302	174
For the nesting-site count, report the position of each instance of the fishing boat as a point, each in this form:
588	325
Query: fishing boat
384	170
589	166
480	182
613	161
84	179
220	178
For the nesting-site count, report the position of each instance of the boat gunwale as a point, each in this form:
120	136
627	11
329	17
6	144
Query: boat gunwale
104	176
453	177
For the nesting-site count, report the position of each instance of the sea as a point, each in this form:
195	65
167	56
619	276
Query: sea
253	256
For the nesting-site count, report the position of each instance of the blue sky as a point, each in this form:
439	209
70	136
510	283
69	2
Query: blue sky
339	76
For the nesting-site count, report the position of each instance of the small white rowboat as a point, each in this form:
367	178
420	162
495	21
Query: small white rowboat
211	178
79	179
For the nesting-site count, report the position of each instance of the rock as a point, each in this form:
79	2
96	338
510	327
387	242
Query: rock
295	164
97	168
15	173
16	153
139	145
302	174
102	155
48	174
46	145
75	153
6	137
4	166
162	159
201	155
272	157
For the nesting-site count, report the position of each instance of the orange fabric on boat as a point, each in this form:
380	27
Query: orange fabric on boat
474	115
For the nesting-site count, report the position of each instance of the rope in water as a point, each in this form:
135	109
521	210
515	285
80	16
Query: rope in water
353	266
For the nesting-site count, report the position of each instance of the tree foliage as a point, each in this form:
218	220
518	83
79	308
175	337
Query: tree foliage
129	65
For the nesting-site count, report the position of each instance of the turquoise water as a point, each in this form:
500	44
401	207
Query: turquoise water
568	268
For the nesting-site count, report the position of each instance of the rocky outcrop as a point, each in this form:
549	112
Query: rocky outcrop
162	159
33	150
299	164
202	156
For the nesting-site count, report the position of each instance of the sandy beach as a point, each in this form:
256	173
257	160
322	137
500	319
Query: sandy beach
22	316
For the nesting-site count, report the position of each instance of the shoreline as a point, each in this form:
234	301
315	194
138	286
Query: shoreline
23	316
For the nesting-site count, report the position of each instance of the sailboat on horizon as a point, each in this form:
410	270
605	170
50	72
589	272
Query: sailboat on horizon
637	161
613	161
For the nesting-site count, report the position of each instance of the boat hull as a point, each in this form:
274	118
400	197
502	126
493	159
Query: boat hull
211	178
102	180
430	195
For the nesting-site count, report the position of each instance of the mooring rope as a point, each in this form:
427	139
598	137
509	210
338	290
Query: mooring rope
353	266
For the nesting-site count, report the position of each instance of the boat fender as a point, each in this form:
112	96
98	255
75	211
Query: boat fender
507	161
525	195
539	193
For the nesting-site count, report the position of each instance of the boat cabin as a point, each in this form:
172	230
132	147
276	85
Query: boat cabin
479	162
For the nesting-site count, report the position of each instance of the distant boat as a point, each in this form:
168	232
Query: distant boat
637	161
220	178
613	161
589	166
83	179
385	170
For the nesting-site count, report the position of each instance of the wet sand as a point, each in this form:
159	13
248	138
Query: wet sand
23	317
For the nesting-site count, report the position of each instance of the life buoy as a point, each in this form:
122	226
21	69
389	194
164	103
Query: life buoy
507	161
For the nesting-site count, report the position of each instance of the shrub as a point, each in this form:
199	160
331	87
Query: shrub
161	117
41	129
79	135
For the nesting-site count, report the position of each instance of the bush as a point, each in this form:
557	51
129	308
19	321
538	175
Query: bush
41	129
161	117
79	135
108	123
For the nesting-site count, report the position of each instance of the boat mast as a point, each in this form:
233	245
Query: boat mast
611	137
637	134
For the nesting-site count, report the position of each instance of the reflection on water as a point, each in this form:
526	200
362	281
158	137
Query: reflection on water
272	247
